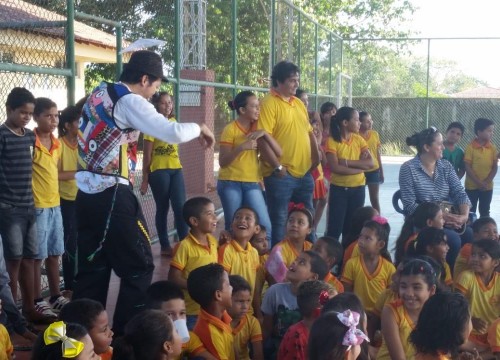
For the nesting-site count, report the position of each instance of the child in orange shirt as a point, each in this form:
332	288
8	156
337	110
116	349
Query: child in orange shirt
246	328
209	286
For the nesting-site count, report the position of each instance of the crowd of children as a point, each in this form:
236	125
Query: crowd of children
238	298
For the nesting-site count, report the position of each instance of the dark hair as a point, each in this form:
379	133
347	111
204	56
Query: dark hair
420	267
481	124
347	301
18	97
239	284
203	282
257	219
81	311
308	295
67	116
160	292
428	236
41	351
304	211
444	311
482	221
344	113
299	92
424	137
155	100
362	114
382	232
491	247
144	336
327	106
282	71
333	248
318	265
194	207
240	101
439	270
414	222
42	104
456	125
133	76
325	338
359	217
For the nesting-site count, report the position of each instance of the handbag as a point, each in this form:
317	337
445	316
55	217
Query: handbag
450	208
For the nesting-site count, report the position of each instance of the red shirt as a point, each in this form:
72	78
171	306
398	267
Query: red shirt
294	343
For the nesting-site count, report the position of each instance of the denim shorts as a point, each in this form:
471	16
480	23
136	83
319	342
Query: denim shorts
373	177
18	231
50	232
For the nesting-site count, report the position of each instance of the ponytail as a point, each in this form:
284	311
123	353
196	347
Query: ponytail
240	101
344	113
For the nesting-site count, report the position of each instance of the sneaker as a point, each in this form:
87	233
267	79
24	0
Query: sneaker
43	308
58	304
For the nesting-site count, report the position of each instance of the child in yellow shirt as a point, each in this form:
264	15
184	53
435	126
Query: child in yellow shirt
331	251
481	166
482	228
246	328
50	232
238	257
197	249
481	287
298	226
263	279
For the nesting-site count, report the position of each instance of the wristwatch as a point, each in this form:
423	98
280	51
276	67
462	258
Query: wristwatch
278	169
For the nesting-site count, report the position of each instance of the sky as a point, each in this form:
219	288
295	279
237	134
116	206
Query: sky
461	18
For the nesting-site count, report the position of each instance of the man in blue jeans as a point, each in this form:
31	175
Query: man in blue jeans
288	178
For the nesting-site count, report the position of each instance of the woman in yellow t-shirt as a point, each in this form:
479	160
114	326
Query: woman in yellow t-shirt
239	175
68	131
162	170
348	157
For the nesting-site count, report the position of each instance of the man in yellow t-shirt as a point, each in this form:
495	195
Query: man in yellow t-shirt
285	118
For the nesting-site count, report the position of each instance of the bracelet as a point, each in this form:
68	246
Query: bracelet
346	165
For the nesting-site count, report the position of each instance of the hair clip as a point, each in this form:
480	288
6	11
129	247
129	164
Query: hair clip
324	296
293	206
57	332
353	336
380	220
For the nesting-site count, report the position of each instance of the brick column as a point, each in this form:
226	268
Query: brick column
197	105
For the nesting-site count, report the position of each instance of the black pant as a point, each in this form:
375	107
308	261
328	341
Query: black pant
483	197
68	213
126	249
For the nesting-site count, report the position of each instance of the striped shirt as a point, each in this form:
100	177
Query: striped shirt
16	154
417	187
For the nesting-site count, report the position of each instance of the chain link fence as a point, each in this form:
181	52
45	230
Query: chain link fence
410	84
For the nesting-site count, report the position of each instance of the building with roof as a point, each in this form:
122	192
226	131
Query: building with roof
35	45
481	92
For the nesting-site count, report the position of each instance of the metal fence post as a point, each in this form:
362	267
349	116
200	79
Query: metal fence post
177	52
234	23
70	51
427	84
